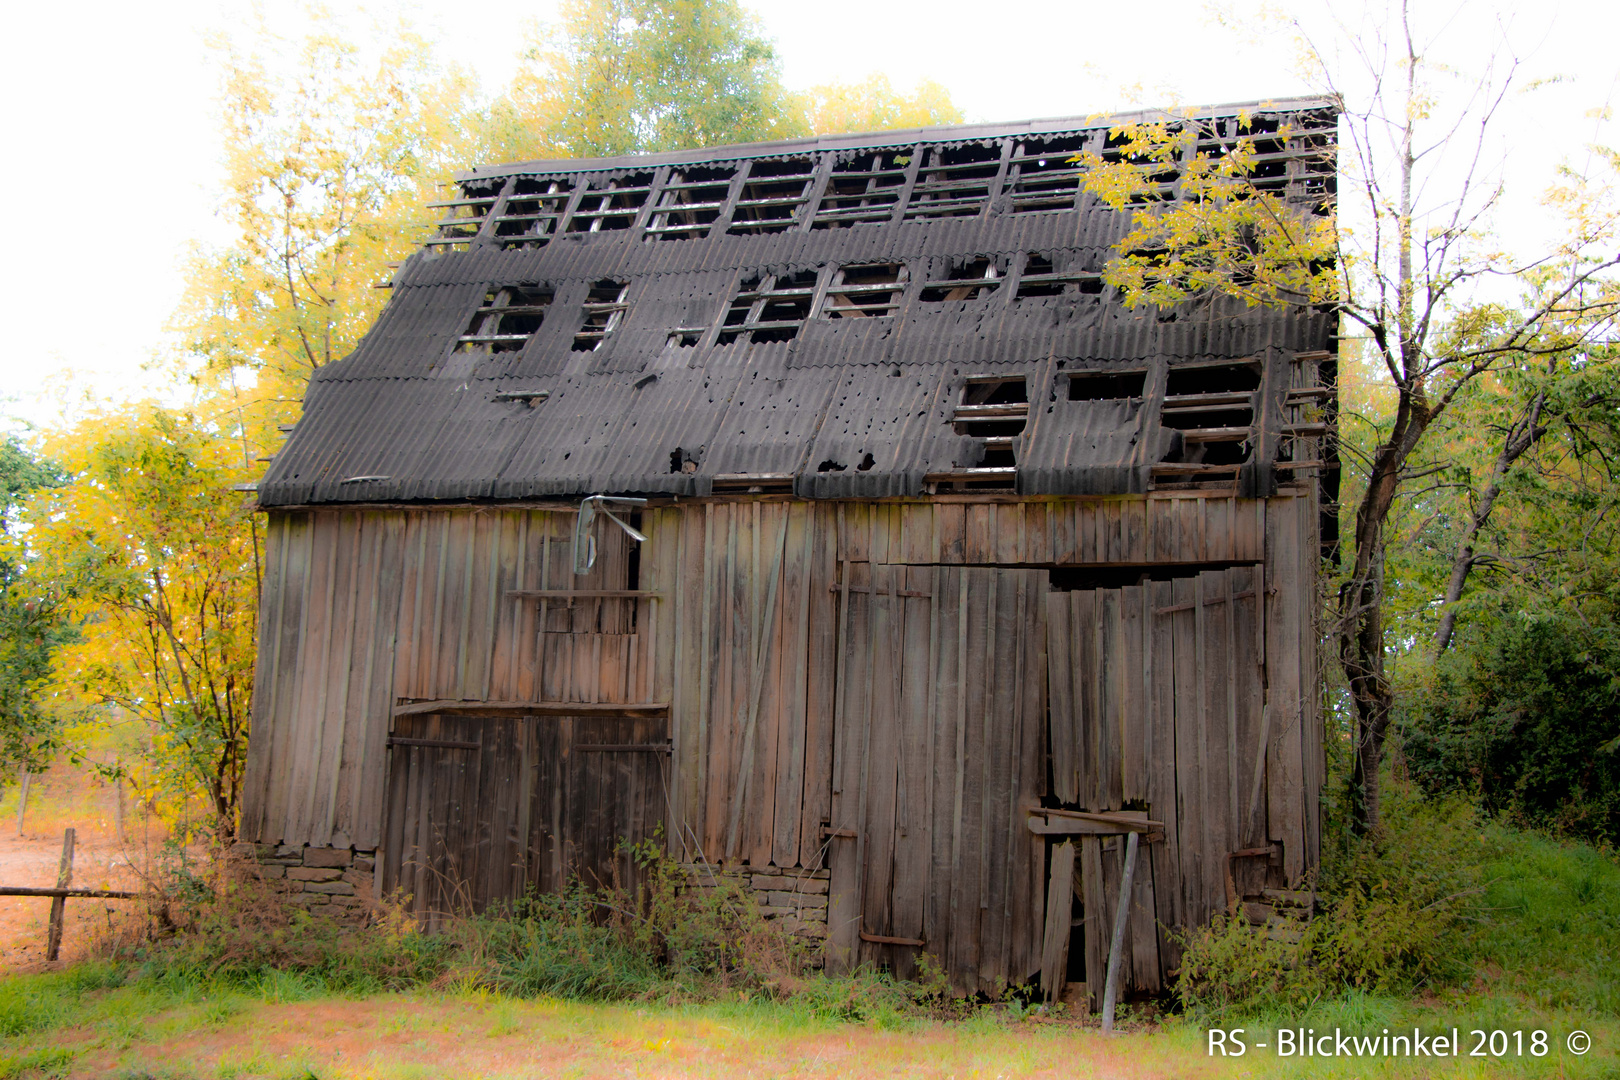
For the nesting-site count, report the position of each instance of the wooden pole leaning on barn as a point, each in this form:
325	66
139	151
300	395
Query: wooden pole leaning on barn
1121	912
64	878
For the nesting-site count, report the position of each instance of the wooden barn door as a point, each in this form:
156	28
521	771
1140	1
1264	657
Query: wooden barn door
940	703
483	809
1157	695
457	786
601	783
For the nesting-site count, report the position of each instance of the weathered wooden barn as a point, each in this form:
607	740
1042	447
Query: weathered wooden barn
949	557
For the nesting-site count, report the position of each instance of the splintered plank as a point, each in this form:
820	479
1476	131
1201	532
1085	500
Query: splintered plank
1097	927
726	628
1060	674
1055	939
314	668
359	810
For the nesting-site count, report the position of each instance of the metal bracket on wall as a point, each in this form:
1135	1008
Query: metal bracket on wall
585	540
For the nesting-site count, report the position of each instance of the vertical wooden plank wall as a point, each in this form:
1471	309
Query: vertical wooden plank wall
361	608
322	695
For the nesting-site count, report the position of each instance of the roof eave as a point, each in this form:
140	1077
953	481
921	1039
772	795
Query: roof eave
899	137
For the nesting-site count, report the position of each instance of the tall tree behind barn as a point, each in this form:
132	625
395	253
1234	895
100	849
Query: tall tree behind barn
950	558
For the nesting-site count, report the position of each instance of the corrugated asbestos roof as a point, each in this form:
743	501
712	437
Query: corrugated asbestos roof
848	407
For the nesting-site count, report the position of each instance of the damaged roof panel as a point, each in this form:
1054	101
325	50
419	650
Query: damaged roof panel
690	366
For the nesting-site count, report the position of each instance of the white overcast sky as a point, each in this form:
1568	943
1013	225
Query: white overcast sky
112	152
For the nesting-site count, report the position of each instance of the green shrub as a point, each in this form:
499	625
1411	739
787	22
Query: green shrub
1393	913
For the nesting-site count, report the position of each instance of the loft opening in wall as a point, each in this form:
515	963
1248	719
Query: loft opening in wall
865	188
955	182
464	216
857	291
506	320
532	212
968	279
611	203
604	310
773	196
769	308
689	203
1043	176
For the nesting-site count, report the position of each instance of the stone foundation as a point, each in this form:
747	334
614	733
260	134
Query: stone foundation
795	901
336	882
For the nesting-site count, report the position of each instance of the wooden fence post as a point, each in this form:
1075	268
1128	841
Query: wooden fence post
22	798
64	878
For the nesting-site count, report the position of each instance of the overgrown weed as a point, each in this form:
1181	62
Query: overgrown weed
1497	921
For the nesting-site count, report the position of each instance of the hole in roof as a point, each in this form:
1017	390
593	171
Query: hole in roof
604	309
1106	385
858	291
1213	379
867	461
965	279
992	407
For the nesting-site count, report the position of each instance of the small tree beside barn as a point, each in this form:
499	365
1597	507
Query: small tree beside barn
928	570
